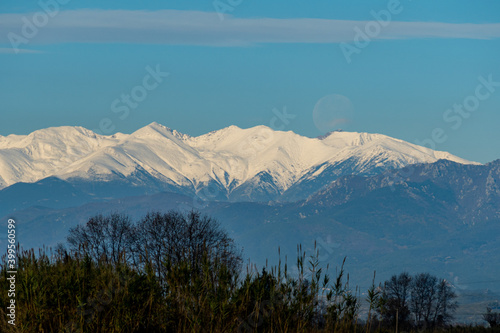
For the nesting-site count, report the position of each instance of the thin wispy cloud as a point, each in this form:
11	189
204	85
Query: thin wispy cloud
205	28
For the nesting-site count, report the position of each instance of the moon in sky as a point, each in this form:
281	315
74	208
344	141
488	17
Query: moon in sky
332	111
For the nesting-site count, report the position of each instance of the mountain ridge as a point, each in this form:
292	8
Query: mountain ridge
254	164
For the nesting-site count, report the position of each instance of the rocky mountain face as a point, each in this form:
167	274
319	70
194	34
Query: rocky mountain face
468	193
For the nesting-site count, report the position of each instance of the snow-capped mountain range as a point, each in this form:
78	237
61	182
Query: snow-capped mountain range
255	164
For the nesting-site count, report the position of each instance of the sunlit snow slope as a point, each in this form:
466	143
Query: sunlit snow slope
240	164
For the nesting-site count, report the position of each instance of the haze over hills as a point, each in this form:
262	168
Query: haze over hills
255	164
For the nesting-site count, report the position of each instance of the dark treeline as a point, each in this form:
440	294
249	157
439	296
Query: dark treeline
177	272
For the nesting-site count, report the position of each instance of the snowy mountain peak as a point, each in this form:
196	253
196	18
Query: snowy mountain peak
343	139
247	163
157	130
218	134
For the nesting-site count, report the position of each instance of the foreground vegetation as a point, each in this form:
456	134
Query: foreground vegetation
182	273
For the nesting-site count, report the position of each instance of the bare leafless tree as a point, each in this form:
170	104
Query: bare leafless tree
158	239
103	237
493	318
423	298
396	298
421	301
446	304
175	237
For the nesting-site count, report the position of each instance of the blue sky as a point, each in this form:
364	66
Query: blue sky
403	80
